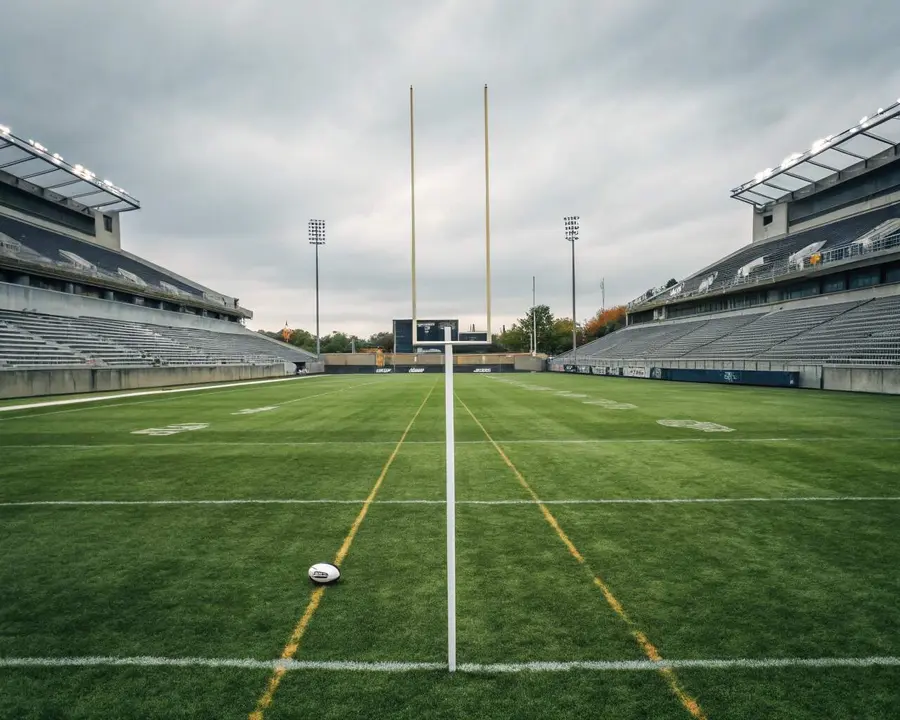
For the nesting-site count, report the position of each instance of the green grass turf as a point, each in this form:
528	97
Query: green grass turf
742	580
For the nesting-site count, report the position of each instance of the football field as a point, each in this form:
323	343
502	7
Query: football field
625	549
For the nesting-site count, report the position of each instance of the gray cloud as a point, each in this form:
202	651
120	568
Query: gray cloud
235	123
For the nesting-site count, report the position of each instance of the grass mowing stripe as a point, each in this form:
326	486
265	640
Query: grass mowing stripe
293	644
326	501
649	649
393	666
302	443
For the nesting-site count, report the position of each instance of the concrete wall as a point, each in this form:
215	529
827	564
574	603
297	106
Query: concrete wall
33	383
364	359
862	379
528	363
51	302
775	229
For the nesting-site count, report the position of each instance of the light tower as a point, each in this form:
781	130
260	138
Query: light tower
317	237
571	224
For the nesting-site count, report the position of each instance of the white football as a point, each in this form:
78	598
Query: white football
324	573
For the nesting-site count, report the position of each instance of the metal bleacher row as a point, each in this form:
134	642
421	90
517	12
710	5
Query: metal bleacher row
776	253
29	340
863	332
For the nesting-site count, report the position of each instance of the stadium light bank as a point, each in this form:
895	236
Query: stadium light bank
37	161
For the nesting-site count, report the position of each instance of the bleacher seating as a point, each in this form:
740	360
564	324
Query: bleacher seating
50	244
706	333
31	339
776	253
869	332
21	349
856	332
769	330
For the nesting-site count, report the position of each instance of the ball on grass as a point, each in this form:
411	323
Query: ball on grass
324	573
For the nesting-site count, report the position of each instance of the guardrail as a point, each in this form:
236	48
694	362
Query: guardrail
843	254
214	301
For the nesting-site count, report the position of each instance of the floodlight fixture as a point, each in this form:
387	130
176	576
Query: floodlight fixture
31	152
833	143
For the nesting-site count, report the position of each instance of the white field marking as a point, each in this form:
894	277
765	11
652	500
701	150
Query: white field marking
696	425
141	393
611	404
539	441
157	400
326	501
253	411
171	429
491	668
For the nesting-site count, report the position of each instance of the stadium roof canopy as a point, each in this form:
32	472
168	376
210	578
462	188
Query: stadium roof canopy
29	161
826	159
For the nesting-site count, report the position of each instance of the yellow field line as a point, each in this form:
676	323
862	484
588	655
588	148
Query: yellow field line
293	643
648	648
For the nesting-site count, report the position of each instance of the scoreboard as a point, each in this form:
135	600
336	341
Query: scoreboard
427	331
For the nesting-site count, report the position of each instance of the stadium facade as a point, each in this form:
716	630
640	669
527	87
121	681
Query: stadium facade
815	296
72	298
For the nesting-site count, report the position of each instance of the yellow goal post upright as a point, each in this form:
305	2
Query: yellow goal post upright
448	343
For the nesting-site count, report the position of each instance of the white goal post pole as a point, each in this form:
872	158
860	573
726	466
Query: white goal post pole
451	500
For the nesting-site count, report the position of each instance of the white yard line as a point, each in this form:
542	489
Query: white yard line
328	501
489	668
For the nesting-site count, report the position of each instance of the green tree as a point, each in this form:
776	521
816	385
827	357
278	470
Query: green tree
383	340
512	339
303	339
562	336
545	321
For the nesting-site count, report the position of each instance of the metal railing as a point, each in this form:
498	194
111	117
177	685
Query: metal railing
779	269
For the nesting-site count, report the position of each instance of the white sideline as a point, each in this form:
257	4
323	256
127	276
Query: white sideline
326	501
398	667
75	401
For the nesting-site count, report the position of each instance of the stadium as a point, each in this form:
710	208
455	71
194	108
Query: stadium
813	301
706	527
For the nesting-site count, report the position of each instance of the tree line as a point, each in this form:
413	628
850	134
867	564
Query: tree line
554	334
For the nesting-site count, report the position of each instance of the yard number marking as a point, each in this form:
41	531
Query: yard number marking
253	411
696	425
171	429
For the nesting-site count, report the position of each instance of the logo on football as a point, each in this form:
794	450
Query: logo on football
324	573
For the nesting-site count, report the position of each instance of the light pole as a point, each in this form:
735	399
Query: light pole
533	318
571	223
317	237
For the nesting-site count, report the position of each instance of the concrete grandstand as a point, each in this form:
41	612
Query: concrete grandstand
816	292
72	298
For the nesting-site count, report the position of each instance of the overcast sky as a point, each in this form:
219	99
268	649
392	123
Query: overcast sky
235	122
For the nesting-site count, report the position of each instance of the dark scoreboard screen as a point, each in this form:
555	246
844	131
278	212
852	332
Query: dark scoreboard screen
428	331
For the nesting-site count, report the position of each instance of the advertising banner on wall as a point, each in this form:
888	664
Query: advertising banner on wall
413	369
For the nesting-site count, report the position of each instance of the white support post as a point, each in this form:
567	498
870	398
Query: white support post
451	501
